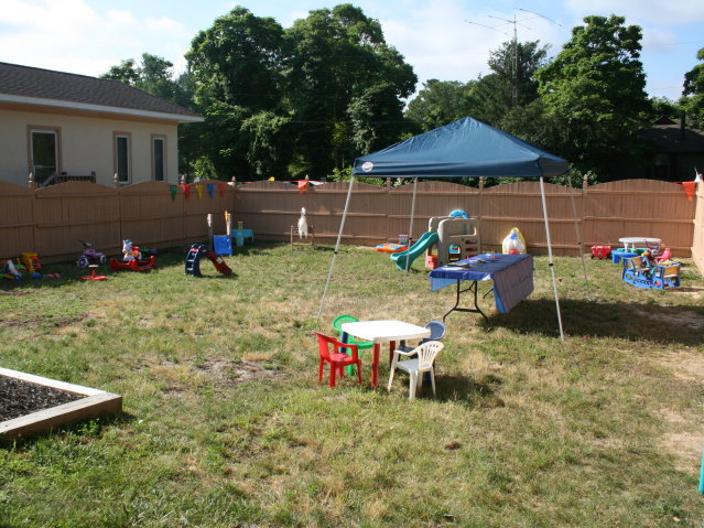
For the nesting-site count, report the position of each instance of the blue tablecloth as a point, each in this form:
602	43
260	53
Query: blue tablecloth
512	276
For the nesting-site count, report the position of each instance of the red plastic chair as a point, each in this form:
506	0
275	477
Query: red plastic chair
338	360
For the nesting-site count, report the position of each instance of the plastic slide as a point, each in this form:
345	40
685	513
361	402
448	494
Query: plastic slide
219	263
404	260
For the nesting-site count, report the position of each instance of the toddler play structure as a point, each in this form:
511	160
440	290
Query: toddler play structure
133	258
448	238
194	256
217	246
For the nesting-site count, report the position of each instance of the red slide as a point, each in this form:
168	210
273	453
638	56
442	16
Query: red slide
219	263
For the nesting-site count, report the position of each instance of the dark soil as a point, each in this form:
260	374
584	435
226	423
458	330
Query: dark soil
18	398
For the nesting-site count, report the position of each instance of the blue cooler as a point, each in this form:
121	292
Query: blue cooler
222	245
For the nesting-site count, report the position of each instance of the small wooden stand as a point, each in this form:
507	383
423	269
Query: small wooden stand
295	241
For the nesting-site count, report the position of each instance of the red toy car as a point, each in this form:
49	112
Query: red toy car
601	252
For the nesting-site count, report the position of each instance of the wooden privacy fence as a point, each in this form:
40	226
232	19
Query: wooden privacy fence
603	212
698	242
52	220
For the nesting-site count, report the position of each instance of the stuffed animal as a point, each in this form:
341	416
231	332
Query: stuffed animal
303	224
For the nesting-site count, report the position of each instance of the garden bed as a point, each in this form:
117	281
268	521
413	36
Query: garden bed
32	404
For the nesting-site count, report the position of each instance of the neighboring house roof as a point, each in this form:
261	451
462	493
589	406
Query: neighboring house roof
36	86
671	138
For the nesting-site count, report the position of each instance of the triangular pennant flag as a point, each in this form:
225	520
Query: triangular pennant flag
690	188
211	189
221	189
199	190
173	189
186	188
303	185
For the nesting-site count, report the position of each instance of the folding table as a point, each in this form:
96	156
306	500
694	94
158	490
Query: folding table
512	276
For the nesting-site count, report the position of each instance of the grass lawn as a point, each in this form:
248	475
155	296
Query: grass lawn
226	425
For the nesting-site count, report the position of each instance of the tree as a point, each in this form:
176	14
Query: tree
153	75
693	102
488	98
438	103
237	66
594	90
343	78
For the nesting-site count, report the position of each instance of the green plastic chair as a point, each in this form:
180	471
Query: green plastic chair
361	345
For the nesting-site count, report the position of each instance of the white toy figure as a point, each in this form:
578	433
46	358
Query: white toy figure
303	224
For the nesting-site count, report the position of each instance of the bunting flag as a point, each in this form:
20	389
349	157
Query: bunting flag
186	188
211	189
199	190
271	178
173	189
302	185
221	188
690	188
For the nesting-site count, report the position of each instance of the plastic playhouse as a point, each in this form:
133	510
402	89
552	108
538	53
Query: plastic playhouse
448	238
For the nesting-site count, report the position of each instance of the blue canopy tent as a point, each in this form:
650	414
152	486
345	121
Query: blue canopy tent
463	148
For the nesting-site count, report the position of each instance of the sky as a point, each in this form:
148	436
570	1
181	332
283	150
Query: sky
441	39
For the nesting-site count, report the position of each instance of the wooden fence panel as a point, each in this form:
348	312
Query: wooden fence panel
67	213
195	210
698	240
639	208
52	220
150	217
16	220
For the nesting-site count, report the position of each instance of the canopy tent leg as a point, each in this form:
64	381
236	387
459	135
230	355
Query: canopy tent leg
578	231
550	260
337	247
413	214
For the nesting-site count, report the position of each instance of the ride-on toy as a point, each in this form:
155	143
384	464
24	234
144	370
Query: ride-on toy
90	256
641	273
133	259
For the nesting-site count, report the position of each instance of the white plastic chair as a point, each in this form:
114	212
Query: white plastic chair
422	362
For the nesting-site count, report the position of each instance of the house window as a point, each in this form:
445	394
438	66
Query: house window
122	157
44	152
158	158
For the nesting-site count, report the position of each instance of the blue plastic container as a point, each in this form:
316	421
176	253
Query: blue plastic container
222	245
617	255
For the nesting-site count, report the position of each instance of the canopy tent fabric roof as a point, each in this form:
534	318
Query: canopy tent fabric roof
466	147
463	148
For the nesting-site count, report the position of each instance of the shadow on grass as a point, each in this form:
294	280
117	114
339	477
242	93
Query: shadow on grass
85	429
623	320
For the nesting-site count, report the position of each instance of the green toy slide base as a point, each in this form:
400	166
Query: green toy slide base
404	259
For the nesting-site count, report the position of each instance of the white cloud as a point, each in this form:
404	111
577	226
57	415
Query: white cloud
439	43
659	11
71	36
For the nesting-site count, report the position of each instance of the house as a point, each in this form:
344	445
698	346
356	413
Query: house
62	126
675	150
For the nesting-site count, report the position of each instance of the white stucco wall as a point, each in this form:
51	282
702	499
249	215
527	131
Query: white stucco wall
86	145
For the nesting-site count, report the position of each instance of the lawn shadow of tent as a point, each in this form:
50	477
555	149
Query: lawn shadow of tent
623	320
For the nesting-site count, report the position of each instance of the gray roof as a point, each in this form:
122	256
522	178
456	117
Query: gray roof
27	81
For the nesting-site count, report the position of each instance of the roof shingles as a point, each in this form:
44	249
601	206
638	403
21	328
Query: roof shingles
27	81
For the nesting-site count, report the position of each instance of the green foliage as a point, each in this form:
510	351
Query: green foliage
693	102
154	75
439	103
594	91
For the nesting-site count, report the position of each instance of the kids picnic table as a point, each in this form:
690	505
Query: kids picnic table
379	332
512	276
